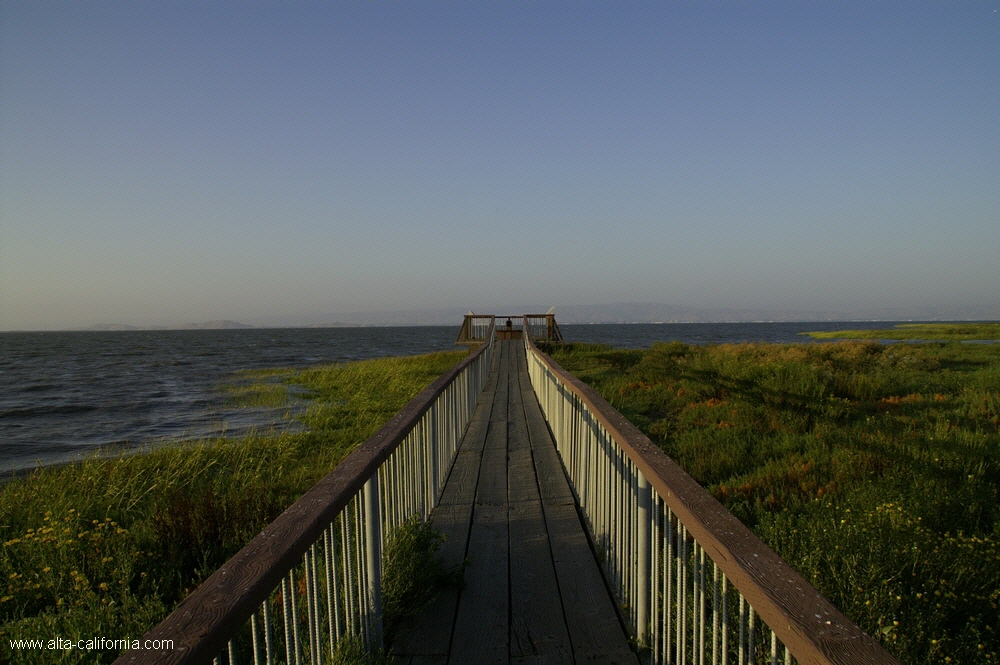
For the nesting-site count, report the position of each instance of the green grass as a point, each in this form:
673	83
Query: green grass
109	545
873	469
412	574
956	332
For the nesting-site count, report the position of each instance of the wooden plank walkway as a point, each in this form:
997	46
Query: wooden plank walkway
533	592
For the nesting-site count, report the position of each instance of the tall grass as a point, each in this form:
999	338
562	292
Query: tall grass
108	546
873	469
920	331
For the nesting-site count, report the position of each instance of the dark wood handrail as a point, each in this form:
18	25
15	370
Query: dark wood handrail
815	631
203	623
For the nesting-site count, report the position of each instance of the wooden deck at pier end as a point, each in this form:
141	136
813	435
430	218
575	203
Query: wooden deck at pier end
533	591
540	327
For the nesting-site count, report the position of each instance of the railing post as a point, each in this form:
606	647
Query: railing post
434	441
373	549
642	619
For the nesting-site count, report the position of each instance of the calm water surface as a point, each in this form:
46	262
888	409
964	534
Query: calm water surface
64	394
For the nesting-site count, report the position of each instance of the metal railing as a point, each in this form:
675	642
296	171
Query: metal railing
475	329
543	326
694	584
312	577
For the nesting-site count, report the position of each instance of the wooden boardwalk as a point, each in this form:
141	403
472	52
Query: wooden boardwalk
533	590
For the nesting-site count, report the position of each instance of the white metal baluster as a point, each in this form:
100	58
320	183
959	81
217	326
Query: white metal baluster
394	504
679	592
333	616
373	548
695	602
310	608
286	611
630	559
616	538
359	558
407	464
268	631
421	484
715	613
345	557
669	552
435	445
725	621
654	582
702	584
297	644
254	638
619	524
742	651
315	636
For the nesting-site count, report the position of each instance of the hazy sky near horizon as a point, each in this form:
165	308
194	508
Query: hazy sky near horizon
186	161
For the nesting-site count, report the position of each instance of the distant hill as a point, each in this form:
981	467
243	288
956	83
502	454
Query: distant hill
222	324
108	326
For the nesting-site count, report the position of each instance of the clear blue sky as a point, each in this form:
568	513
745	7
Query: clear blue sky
184	161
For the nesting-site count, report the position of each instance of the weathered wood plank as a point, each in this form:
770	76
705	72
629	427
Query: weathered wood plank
521	482
537	624
593	624
423	659
541	659
499	412
492	487
454	522
552	484
517	426
464	478
481	627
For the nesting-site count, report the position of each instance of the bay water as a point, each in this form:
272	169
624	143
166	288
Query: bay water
66	394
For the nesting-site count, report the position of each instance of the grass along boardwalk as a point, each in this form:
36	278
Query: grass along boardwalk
533	591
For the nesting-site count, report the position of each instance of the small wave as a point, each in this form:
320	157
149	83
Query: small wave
40	387
56	410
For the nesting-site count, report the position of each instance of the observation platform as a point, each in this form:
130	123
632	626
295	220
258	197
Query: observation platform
533	590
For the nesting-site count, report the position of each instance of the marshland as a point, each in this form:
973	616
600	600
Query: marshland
870	467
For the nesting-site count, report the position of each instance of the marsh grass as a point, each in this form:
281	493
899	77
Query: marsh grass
259	389
873	469
412	574
920	331
109	545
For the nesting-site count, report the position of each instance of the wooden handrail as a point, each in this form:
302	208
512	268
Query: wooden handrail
201	625
807	623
